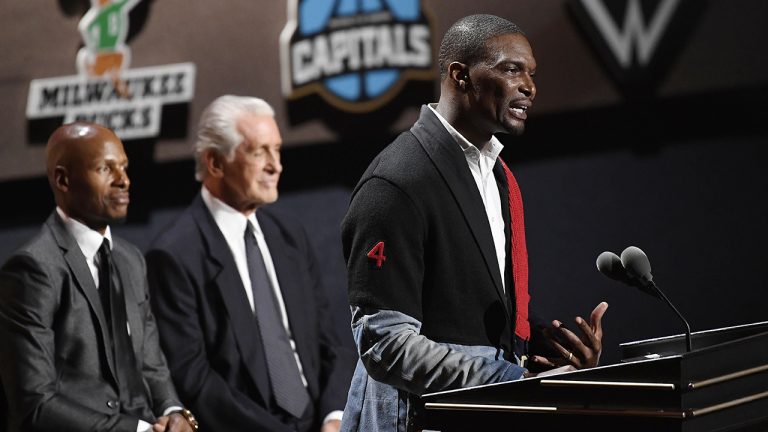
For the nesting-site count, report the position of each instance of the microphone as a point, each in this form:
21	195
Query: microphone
634	269
609	264
635	261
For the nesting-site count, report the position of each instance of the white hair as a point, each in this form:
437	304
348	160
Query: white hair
218	127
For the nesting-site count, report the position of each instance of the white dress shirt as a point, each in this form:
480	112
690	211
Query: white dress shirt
89	242
481	161
232	224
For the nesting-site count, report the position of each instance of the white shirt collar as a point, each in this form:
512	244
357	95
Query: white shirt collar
87	239
491	151
230	221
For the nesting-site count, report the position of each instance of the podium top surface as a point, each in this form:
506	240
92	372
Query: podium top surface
675	344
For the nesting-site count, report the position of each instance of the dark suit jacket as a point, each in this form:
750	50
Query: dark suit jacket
419	198
56	369
208	328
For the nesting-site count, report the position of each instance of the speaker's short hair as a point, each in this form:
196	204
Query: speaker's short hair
464	41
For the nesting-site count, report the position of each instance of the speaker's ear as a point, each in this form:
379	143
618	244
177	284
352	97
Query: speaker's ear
458	73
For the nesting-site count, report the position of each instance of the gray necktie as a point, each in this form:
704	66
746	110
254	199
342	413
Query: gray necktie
290	393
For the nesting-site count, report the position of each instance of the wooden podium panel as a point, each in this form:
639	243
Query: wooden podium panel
722	385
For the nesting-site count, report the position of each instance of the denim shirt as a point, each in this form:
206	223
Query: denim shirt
396	361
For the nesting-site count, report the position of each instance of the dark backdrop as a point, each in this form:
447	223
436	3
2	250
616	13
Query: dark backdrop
677	170
692	196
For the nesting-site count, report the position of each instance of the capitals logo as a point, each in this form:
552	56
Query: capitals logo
356	54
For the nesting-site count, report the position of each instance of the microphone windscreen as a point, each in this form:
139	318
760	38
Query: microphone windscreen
636	262
609	264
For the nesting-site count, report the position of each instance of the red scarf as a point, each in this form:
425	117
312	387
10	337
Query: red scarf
519	256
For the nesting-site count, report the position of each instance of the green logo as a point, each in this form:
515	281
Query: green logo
104	28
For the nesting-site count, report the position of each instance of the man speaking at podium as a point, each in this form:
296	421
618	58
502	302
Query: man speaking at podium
435	244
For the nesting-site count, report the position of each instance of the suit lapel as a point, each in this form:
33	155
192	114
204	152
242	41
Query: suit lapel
288	277
452	165
227	281
82	275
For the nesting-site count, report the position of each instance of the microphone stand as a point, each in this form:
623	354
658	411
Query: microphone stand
666	300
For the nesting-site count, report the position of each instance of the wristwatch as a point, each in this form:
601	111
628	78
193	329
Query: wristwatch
187	414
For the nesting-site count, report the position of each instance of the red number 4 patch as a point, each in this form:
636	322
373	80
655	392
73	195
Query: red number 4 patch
377	254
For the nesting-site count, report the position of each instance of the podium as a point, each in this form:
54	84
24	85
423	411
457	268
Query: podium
721	385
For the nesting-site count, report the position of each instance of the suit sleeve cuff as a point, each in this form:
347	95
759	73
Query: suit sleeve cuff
172	409
333	415
143	426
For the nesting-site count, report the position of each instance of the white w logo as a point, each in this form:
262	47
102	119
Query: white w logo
634	31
